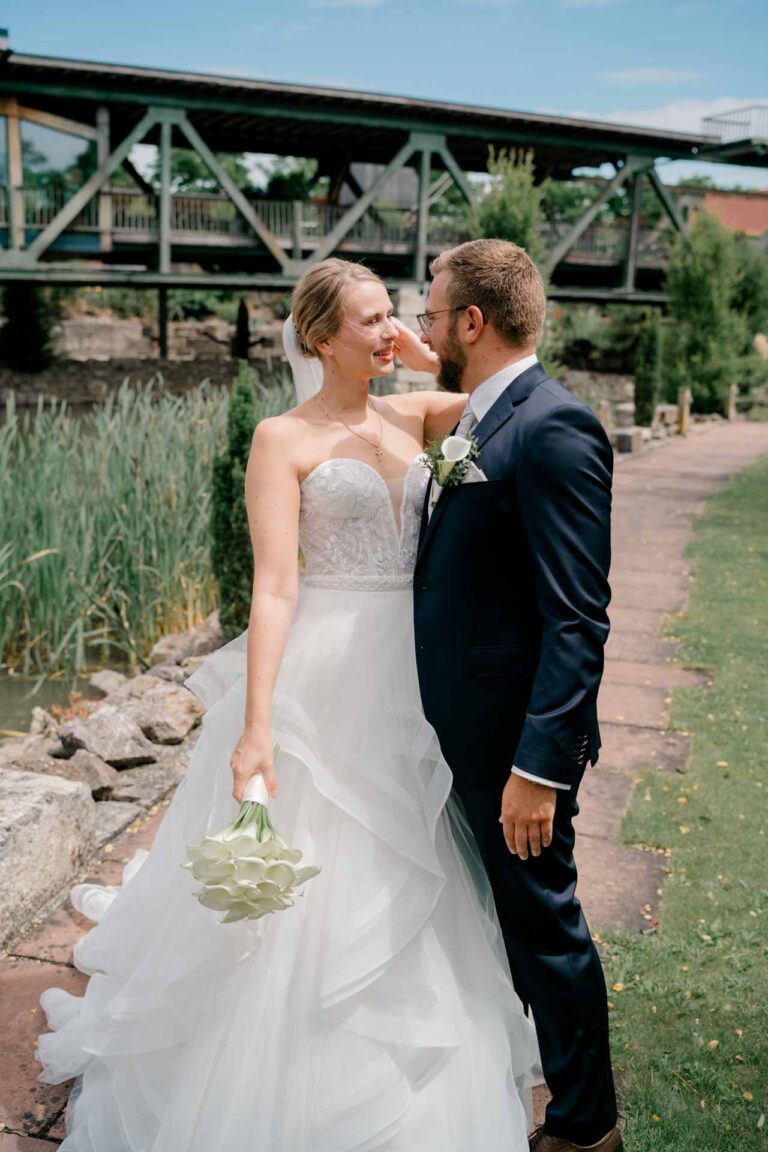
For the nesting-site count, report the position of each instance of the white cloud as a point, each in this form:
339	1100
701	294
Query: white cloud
683	116
631	76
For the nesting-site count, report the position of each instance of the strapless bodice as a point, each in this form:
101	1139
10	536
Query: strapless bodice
349	531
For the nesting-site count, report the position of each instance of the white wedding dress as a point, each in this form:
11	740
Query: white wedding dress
376	1014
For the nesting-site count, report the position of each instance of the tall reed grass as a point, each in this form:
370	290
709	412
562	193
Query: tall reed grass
104	523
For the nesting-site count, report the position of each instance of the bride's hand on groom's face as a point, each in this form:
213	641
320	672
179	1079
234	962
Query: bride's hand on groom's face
409	348
254	754
527	814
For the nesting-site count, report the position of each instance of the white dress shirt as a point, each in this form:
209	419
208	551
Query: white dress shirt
481	401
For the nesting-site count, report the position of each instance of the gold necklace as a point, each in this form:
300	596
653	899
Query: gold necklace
377	448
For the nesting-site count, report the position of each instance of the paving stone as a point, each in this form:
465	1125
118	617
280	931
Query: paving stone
643	706
631	749
9	1142
26	1105
640	646
635	673
603	799
645	621
55	937
616	882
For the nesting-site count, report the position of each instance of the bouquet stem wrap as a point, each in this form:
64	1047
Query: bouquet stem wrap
247	870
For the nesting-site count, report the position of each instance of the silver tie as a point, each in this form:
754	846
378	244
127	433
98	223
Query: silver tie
466	424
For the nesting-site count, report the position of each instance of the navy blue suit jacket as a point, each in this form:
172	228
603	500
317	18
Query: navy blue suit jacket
511	591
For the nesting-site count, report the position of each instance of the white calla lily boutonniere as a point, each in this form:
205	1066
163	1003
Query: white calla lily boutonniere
449	459
247	870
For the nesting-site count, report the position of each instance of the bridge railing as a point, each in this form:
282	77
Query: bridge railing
203	216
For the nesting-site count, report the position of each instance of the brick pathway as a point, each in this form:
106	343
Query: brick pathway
657	497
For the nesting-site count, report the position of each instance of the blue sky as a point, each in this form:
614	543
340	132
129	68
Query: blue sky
638	61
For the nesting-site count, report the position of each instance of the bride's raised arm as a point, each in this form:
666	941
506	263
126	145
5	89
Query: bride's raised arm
272	498
440	411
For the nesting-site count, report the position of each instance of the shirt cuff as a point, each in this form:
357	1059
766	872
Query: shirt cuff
540	780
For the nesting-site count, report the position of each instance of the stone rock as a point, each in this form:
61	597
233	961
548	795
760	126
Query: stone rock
46	834
42	723
100	777
112	817
110	734
167	714
136	686
82	766
194	642
107	681
191	664
627	439
146	786
605	414
625	415
173	672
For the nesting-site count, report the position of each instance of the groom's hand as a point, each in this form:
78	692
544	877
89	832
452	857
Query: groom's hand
527	813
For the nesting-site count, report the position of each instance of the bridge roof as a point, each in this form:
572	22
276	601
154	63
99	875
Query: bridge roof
243	115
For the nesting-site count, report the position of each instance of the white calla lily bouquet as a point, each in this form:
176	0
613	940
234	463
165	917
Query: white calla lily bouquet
247	870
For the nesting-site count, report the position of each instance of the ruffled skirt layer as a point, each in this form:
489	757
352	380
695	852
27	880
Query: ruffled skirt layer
378	1013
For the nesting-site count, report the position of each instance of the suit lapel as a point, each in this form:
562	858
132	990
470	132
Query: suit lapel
497	416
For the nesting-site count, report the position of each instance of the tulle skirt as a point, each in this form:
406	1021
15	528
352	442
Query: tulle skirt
378	1013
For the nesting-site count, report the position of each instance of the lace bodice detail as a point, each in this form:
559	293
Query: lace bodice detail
349	532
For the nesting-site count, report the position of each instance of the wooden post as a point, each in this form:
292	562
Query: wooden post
164	223
731	412
162	322
105	197
14	176
684	398
297	236
422	220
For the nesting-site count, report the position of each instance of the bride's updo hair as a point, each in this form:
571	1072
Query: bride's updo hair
317	304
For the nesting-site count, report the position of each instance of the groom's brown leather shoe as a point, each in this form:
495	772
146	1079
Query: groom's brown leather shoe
541	1141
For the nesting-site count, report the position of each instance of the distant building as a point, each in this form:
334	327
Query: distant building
745	212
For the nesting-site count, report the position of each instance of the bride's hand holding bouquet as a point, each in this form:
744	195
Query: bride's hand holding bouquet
247	870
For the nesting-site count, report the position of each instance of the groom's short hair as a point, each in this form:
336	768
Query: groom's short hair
502	280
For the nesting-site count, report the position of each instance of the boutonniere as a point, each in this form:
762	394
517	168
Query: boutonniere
449	459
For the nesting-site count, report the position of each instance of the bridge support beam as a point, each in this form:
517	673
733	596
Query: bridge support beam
105	199
422	218
632	165
633	236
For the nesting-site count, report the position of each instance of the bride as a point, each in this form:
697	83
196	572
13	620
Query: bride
378	1013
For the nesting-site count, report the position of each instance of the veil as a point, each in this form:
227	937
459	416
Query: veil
307	374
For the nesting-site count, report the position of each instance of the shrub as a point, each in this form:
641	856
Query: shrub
25	339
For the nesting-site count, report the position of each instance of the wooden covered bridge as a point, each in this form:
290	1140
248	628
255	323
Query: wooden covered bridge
158	238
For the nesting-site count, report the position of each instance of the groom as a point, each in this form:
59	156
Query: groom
511	590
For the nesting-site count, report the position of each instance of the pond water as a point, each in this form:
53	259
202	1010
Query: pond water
16	701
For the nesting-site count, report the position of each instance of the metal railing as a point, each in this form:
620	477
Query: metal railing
300	225
748	123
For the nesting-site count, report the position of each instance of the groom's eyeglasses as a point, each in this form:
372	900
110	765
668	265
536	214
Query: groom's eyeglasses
425	318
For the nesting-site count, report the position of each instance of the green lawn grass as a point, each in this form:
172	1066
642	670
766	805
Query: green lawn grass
690	1002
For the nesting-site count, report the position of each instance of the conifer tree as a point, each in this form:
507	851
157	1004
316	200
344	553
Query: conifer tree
231	552
647	370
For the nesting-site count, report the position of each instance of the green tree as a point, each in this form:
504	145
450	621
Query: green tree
289	178
647	370
511	205
25	338
231	553
708	344
189	173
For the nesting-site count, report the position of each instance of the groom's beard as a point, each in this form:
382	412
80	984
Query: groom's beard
453	361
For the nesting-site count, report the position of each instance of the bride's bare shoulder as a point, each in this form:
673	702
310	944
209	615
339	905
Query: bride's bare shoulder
281	436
